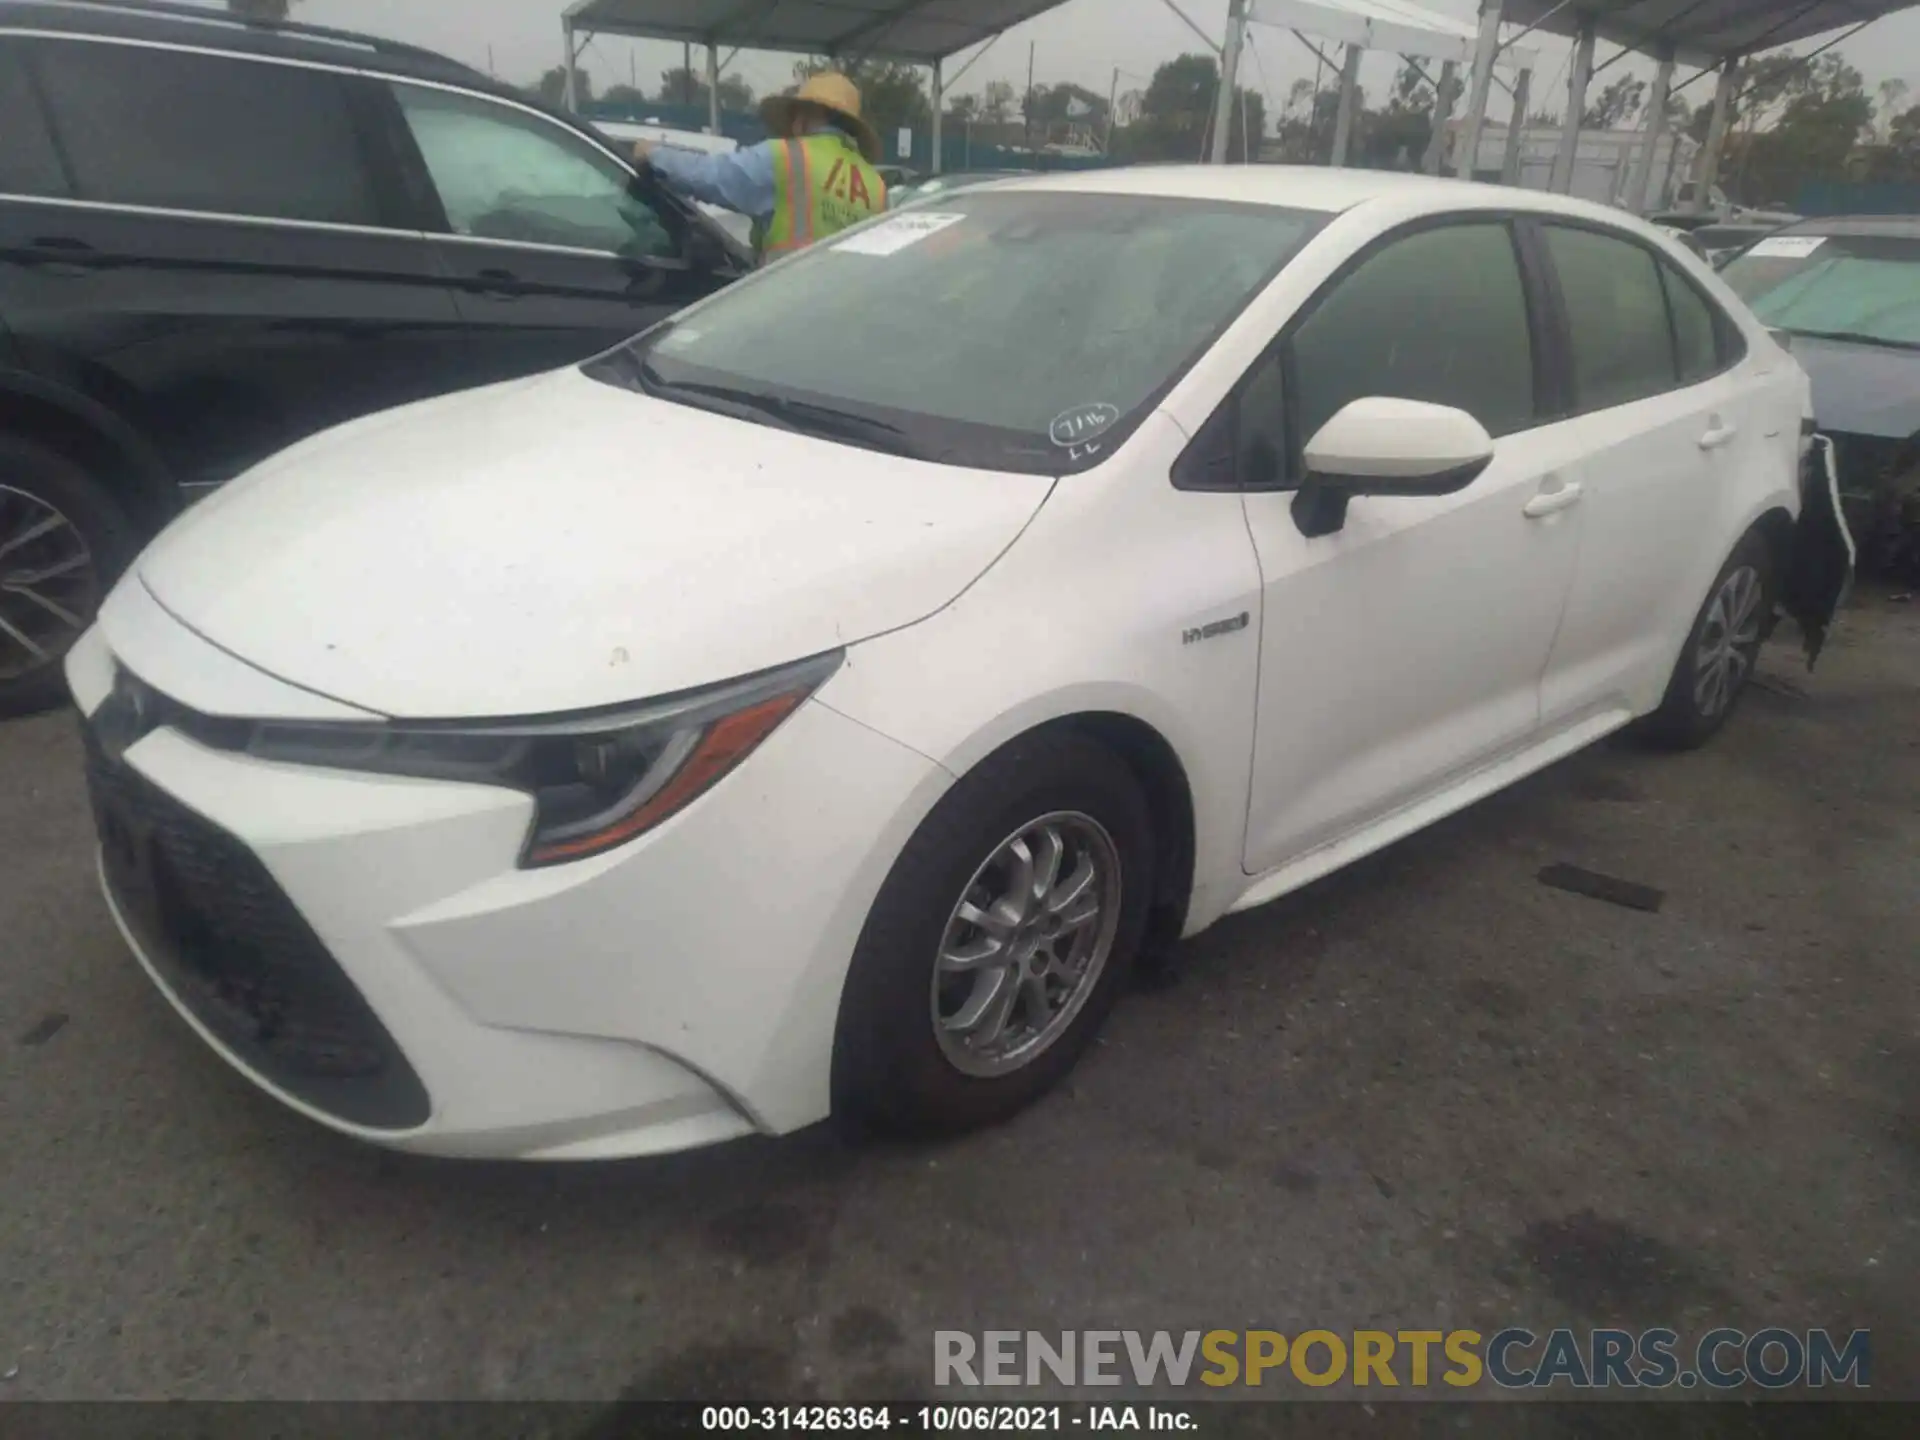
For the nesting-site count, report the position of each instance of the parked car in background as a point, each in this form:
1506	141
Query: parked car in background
630	779
945	184
218	236
1847	290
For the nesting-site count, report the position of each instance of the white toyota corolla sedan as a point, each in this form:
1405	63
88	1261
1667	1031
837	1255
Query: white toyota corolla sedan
818	703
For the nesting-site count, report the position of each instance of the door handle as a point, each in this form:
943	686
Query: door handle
501	284
60	254
1551	502
1719	434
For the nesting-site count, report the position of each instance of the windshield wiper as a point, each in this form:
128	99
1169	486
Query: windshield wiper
1857	337
799	415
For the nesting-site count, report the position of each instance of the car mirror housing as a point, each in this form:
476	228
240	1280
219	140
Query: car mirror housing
1379	445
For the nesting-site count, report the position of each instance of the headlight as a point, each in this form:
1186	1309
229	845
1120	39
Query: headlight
597	779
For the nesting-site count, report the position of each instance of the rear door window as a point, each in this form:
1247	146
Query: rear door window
1621	340
141	125
29	165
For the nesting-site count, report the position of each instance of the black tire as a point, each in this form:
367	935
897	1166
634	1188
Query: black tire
891	1071
1683	722
36	480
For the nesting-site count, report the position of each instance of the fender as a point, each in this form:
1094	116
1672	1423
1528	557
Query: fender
153	485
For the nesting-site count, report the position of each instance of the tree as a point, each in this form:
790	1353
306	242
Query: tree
1891	93
625	97
1618	104
996	102
682	86
552	86
964	108
1824	111
1176	114
260	9
892	95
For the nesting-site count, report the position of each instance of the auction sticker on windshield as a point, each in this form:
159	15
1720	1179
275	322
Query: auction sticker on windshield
1790	247
896	233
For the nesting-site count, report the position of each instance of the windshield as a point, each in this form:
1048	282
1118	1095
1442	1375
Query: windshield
1862	287
1009	330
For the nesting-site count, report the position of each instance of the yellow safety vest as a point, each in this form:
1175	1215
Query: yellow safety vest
821	185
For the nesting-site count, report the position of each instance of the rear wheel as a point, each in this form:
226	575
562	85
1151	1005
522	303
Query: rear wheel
999	941
63	541
1720	653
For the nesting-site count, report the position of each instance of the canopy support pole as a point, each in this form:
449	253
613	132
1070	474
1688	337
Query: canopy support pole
1343	117
1707	167
1656	132
1580	76
713	87
570	89
1444	96
1516	132
937	103
1485	51
1229	75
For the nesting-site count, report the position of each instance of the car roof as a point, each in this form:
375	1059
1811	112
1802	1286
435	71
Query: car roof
1899	226
206	29
1310	187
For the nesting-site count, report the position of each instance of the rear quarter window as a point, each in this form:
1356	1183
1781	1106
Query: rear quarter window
29	164
140	125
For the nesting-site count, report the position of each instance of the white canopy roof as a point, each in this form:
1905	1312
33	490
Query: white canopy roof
1398	26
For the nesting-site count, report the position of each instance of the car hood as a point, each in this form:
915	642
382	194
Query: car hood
558	543
1862	389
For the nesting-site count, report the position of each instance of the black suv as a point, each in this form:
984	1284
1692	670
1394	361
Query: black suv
217	236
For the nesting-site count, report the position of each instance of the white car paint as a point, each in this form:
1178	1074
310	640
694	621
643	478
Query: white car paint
554	544
552	505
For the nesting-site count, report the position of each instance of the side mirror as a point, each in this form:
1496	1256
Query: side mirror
1382	446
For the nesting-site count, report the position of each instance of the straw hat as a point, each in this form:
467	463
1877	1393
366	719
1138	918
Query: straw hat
830	91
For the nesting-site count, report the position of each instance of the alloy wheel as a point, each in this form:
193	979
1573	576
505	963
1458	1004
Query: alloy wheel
1728	642
1026	944
49	585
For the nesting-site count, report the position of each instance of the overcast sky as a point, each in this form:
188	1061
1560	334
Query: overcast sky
1082	41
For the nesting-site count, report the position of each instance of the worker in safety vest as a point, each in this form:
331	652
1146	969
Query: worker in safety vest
812	177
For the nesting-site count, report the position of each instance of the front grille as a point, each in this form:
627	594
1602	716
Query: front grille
238	955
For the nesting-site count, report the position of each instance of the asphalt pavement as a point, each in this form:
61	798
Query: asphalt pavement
1431	1092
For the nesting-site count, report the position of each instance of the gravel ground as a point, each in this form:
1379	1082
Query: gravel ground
1428	1093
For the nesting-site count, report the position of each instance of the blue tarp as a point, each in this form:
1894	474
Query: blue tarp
1828	197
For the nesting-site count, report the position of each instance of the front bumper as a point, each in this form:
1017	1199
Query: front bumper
680	990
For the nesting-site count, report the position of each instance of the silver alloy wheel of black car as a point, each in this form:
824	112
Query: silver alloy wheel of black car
1026	944
49	584
1728	641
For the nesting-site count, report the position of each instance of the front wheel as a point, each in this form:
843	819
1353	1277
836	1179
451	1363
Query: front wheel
63	540
1720	653
999	941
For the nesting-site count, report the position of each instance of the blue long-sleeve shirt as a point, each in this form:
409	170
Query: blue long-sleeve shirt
741	180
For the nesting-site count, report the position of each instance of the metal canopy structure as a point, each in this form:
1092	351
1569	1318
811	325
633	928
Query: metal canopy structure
1398	26
919	32
1708	34
1704	33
